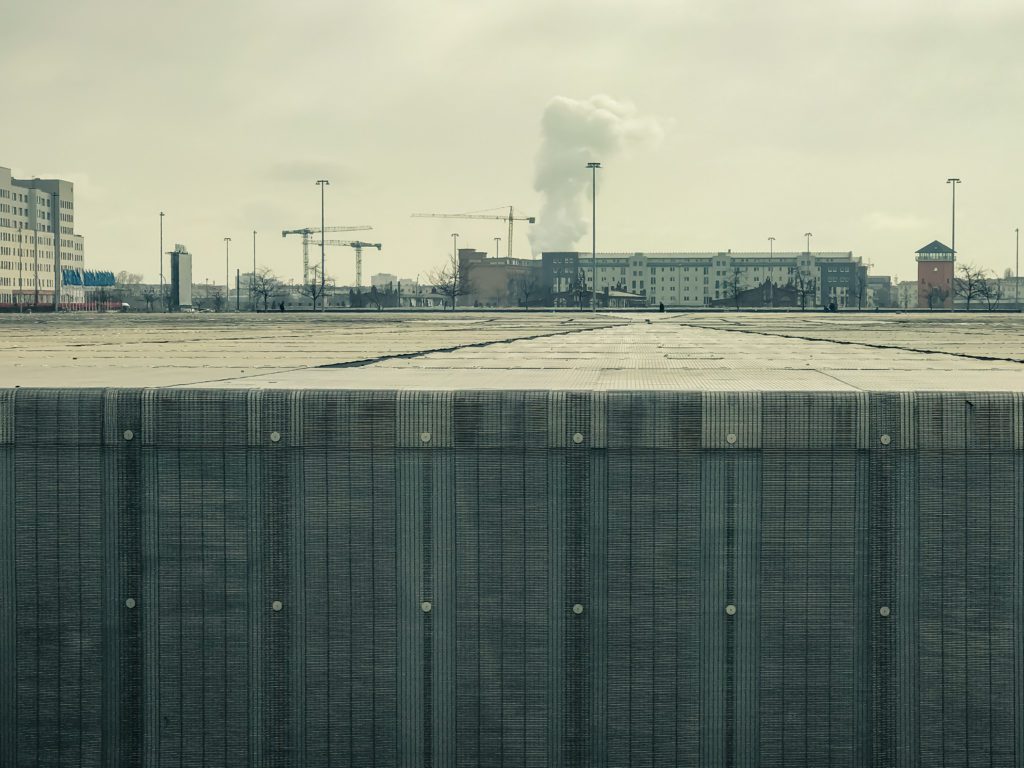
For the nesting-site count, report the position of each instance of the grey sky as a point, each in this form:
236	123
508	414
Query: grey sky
842	118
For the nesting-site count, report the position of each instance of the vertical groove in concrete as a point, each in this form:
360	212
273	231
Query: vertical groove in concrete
149	608
8	586
597	607
747	599
442	614
907	600
410	490
256	598
557	600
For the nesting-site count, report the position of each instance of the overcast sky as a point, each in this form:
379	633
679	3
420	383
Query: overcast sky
843	118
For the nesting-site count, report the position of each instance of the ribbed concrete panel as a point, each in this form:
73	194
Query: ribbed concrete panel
463	578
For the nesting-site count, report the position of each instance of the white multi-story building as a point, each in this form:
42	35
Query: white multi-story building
38	241
702	279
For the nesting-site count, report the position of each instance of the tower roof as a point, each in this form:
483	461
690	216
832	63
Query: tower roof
935	247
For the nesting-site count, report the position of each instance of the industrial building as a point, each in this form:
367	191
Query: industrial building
708	279
38	242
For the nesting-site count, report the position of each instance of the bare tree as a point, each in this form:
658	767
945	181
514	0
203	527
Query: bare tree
937	296
313	288
216	296
578	290
992	292
150	296
968	283
265	285
524	286
450	280
805	286
734	286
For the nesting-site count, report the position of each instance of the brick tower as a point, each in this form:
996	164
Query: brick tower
935	276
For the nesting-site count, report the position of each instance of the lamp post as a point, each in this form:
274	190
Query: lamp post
952	245
593	231
497	242
1016	271
227	271
252	278
162	258
456	277
808	235
322	183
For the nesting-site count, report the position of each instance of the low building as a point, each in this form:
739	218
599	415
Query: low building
501	281
705	279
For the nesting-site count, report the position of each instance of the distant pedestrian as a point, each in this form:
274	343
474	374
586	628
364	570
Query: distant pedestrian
281	306
661	306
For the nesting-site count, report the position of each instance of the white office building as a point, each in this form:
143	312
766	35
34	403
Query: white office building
38	241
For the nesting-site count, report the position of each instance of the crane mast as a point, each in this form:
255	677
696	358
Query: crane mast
357	246
306	232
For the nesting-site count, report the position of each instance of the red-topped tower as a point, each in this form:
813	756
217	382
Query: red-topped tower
935	276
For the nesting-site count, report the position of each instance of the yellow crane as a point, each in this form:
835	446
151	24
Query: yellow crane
306	232
510	218
358	246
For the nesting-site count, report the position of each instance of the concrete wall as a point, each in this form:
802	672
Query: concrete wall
556	578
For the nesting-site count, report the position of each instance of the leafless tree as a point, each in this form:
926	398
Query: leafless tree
265	285
450	281
578	290
734	286
937	296
313	288
968	282
150	296
216	296
806	286
524	286
992	292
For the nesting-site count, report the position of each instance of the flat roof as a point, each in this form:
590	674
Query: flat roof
535	350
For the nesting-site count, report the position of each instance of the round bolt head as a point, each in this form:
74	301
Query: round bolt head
425	606
275	437
731	438
730	610
577	609
424	437
885	439
277	605
128	434
884	611
129	603
577	438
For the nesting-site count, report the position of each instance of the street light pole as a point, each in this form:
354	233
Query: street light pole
162	258
771	270
808	235
1016	272
322	183
456	268
497	245
593	231
252	278
954	182
227	271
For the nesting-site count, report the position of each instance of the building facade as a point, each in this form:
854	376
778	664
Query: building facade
707	279
38	243
935	264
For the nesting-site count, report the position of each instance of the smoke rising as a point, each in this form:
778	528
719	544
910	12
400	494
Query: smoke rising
574	133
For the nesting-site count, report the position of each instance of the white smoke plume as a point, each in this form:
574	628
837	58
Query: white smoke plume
574	133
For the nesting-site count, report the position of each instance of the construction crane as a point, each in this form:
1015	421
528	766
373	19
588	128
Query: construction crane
510	217
306	232
358	245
